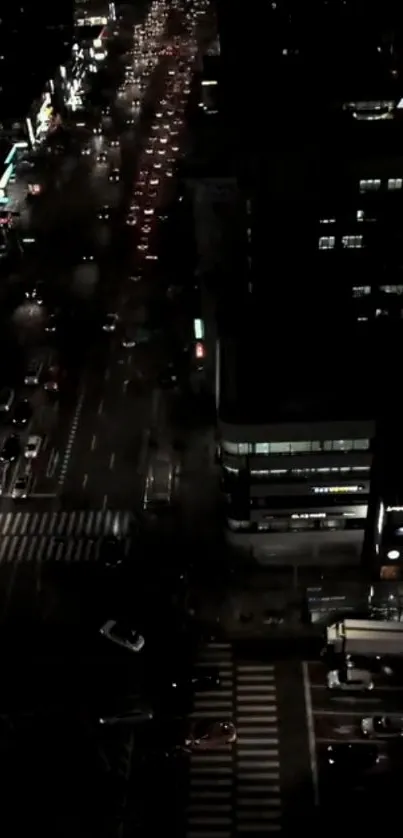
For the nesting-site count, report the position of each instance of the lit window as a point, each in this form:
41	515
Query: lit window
336	490
352	242
280	448
327	242
262	448
395	183
360	215
371	185
391	289
361	290
328	221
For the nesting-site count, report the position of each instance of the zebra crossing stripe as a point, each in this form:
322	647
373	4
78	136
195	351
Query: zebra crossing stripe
236	790
82	522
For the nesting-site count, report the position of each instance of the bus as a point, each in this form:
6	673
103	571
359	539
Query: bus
159	484
367	638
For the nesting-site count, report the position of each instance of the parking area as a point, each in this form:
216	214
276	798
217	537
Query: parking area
355	740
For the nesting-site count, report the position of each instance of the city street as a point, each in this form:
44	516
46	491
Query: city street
87	281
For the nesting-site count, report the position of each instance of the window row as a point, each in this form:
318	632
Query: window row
300	447
374	184
365	290
288	525
347	242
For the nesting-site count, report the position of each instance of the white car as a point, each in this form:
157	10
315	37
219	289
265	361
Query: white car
131	220
351	679
32	447
22	486
110	323
122	635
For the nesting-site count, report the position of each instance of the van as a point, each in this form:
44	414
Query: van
33	374
159	484
7	396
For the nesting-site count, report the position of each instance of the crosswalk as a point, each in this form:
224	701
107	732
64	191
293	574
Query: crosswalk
90	523
235	791
43	548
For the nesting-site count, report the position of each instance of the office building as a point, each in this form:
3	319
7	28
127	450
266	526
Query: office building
34	39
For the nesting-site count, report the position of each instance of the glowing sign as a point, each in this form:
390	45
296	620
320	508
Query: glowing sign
30	130
6	177
336	490
199	350
13	152
92	21
198	328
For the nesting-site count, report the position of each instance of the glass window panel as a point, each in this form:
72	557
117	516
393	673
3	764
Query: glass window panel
262	448
300	447
230	447
361	444
280	447
244	448
342	444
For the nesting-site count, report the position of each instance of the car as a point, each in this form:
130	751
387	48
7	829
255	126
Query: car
32	447
114	176
157	166
142	247
111	552
154	181
350	679
22	485
51	383
149	150
34	295
130	121
123	635
87	257
11	449
51	324
131	220
382	726
110	322
205	734
128	341
114	143
350	759
97	130
86	151
146	229
133	716
22	413
208	678
134	207
33	373
149	211
102	157
7	396
104	213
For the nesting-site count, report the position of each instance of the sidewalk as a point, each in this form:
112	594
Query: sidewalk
251	614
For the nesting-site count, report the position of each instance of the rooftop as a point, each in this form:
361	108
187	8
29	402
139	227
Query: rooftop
293	369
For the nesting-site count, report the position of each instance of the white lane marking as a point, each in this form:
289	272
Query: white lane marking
311	732
105	502
112	461
71	439
100	407
85	480
93	442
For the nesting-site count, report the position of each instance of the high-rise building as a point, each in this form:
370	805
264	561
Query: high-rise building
34	39
308	334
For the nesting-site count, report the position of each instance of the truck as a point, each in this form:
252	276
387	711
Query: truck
366	638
